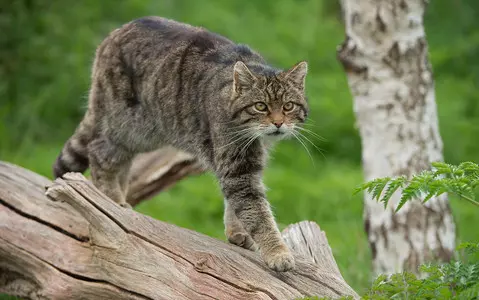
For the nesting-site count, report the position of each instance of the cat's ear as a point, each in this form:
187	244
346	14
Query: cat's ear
242	77
297	74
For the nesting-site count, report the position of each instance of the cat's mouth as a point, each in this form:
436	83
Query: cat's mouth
277	132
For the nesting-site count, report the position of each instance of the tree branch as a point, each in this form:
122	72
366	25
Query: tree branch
156	171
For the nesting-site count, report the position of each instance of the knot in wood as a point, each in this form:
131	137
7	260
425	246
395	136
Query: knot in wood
205	261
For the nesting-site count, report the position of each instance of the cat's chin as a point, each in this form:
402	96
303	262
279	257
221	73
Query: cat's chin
272	138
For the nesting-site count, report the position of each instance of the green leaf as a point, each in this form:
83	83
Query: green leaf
460	180
378	189
411	191
393	186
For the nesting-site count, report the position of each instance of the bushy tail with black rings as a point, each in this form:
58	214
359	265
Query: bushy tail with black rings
74	155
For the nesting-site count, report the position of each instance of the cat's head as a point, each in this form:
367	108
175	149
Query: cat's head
272	105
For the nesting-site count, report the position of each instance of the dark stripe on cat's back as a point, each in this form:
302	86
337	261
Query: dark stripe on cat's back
243	50
230	54
198	43
203	41
167	28
129	73
214	73
226	83
151	22
181	70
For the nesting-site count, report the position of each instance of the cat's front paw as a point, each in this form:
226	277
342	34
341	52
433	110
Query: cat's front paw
280	259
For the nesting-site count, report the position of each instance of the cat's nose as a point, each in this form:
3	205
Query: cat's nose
278	123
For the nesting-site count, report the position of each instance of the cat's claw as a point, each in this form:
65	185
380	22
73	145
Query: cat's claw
280	261
243	240
126	205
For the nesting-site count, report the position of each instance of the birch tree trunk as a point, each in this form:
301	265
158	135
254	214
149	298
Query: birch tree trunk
385	57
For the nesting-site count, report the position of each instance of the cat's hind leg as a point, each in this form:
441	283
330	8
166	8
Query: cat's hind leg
109	164
123	178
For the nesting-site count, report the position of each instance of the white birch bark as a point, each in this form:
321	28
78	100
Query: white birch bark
385	57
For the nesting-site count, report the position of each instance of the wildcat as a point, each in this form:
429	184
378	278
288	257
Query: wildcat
158	82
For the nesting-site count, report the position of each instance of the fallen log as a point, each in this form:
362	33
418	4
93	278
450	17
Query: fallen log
72	242
155	171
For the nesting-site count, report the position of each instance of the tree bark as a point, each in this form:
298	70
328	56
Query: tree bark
75	243
385	57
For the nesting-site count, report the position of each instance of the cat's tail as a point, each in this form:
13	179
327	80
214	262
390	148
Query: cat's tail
74	155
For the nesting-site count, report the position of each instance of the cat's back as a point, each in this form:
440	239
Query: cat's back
165	34
152	41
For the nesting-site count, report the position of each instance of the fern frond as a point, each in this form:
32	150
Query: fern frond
378	189
393	186
459	180
373	187
470	168
470	248
443	168
417	186
470	293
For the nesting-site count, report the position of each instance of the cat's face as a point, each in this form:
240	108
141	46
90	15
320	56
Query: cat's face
270	107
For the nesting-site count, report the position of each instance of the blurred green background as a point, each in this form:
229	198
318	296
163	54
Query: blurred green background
46	51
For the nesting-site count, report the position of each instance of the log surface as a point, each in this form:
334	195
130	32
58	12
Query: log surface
156	171
75	243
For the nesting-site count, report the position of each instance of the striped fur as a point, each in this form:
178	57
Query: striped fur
74	155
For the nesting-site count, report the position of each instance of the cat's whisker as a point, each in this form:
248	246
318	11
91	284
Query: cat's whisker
308	125
236	139
239	155
244	149
250	143
313	144
250	140
240	129
314	134
307	139
243	134
235	134
294	133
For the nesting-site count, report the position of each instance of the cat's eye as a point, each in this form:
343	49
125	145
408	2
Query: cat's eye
260	106
288	106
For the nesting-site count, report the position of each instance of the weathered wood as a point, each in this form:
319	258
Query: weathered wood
75	243
155	171
309	241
